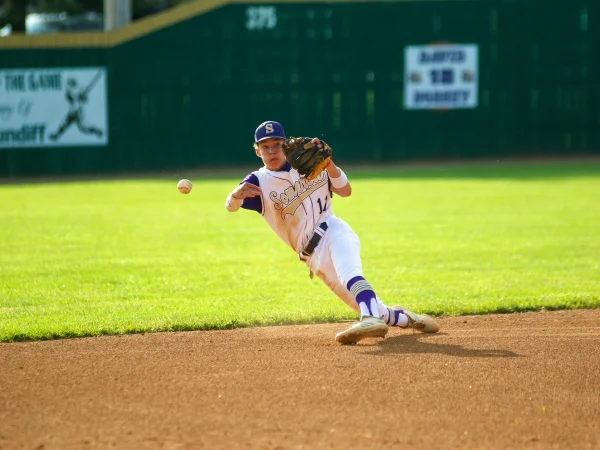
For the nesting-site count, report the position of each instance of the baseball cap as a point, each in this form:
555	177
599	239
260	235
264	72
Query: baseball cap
267	130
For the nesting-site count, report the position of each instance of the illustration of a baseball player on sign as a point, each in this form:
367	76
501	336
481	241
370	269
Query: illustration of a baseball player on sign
77	98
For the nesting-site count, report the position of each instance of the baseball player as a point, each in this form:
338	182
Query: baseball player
299	210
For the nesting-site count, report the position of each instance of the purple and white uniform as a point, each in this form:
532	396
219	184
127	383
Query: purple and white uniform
301	213
294	207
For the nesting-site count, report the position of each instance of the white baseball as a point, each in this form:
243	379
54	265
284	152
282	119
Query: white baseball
184	186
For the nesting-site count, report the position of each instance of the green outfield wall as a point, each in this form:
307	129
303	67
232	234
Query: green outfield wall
187	88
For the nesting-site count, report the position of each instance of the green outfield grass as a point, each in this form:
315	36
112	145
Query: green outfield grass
121	256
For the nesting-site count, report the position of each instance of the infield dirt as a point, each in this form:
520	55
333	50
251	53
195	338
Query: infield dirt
528	380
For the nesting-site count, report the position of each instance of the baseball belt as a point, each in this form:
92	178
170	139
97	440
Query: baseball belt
314	240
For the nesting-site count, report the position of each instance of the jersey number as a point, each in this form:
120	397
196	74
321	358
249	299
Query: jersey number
322	207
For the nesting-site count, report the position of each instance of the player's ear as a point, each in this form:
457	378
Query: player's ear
257	150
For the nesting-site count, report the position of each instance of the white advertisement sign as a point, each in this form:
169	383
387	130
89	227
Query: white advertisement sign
441	76
53	107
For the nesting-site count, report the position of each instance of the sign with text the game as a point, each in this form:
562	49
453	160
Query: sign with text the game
53	107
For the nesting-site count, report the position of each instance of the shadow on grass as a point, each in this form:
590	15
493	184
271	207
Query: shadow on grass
516	169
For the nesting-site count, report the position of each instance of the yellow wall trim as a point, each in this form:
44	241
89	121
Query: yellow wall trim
135	30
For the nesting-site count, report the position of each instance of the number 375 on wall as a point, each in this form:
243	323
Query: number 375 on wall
261	17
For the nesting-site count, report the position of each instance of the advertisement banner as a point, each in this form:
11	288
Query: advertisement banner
441	76
53	107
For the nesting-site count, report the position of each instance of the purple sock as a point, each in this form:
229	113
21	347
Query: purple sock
394	319
364	295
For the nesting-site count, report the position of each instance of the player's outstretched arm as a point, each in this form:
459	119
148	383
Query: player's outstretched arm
236	197
339	181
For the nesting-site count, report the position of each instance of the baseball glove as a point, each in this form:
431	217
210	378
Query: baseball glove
307	157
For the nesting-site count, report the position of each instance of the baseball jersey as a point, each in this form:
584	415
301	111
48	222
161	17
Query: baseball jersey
291	205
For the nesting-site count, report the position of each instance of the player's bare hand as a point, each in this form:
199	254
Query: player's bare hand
321	144
246	190
317	141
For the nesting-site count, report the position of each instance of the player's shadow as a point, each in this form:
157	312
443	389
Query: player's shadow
417	344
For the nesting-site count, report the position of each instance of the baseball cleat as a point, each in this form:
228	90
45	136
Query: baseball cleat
368	327
419	322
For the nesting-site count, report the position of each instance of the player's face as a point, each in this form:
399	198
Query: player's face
271	152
